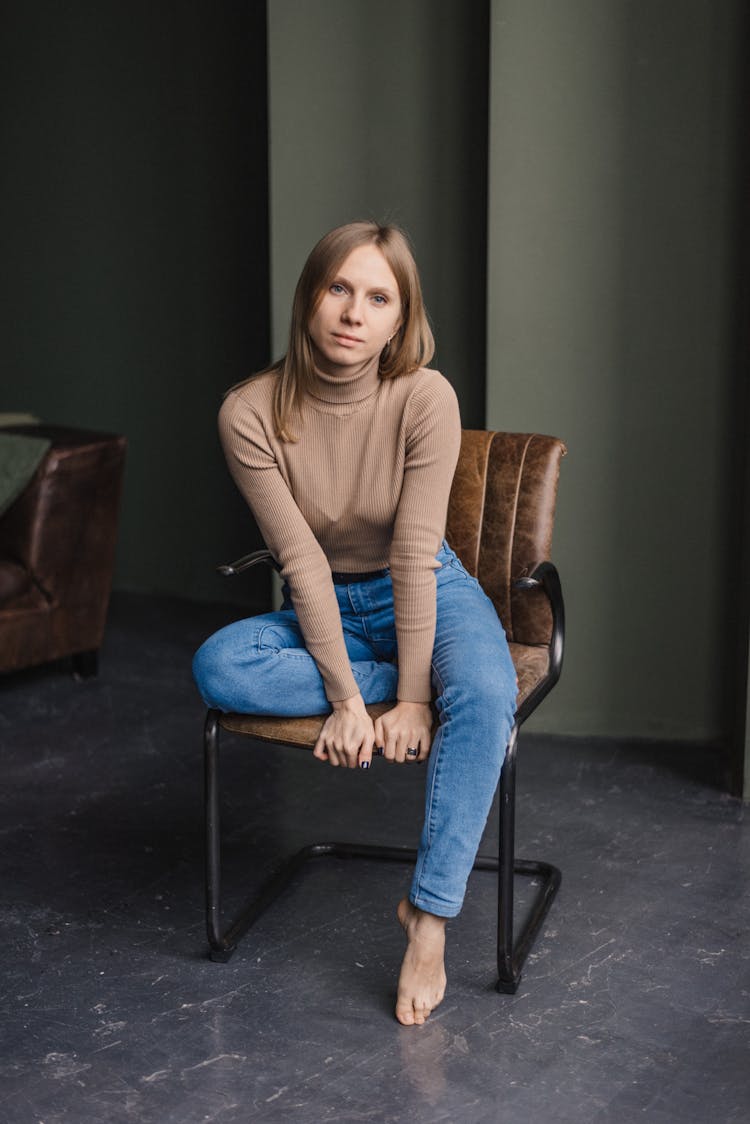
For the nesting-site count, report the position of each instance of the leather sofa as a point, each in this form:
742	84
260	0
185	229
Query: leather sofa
57	550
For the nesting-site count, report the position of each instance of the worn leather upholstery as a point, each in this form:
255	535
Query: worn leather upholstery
301	732
500	519
57	546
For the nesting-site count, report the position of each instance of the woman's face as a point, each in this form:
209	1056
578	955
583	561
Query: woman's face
358	313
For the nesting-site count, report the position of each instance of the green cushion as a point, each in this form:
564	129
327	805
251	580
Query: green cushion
20	456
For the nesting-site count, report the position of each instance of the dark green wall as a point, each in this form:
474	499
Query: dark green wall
381	112
616	133
135	252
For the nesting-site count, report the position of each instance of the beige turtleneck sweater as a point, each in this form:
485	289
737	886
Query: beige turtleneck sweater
365	486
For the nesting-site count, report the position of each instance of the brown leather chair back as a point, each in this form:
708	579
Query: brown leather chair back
500	519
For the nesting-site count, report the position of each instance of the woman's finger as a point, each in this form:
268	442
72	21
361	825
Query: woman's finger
364	757
424	748
320	750
332	747
401	742
333	755
412	750
351	755
379	732
390	743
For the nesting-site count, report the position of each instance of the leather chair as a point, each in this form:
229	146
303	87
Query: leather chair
500	522
57	549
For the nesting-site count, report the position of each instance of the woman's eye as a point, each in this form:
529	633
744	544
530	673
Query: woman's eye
379	299
336	288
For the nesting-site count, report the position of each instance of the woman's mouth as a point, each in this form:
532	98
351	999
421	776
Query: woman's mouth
343	338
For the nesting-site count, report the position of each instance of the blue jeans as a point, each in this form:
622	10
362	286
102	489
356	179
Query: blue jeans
261	666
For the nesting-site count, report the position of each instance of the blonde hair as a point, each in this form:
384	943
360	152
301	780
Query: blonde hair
410	348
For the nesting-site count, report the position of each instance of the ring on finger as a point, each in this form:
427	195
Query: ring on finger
411	751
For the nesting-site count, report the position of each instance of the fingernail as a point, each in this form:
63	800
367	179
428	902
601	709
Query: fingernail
380	750
364	764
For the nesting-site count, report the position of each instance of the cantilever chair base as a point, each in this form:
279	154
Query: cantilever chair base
512	949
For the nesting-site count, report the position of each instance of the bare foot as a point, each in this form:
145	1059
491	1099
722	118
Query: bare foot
421	985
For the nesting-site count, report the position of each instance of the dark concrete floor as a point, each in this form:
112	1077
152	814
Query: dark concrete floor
634	1005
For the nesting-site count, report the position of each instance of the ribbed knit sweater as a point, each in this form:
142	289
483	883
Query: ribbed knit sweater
365	486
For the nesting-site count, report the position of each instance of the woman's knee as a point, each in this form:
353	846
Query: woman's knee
231	668
210	667
220	657
486	695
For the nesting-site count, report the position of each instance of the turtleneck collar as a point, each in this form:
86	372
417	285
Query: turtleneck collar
345	389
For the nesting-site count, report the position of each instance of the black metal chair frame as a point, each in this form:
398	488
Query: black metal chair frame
512	950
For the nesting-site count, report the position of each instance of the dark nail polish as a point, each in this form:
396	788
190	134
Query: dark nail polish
364	764
380	750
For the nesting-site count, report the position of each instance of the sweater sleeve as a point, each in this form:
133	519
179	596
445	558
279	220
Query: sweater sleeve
433	439
303	563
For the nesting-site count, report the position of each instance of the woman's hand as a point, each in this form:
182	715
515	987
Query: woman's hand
347	736
407	727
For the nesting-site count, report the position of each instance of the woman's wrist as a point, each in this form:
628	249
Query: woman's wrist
355	703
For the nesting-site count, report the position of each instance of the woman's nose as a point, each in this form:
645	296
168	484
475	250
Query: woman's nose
353	310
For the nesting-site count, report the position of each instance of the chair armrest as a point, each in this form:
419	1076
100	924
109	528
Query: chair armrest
228	569
545	575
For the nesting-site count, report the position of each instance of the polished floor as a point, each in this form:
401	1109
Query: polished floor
635	1004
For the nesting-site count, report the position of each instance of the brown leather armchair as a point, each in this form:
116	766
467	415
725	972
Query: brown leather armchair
57	548
500	520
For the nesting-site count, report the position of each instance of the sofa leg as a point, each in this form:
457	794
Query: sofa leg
85	664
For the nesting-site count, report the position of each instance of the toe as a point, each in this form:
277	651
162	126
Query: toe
404	1014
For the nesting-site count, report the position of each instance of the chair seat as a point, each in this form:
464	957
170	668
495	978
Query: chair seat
300	732
531	663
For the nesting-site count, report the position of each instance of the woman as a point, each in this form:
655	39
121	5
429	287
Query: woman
345	451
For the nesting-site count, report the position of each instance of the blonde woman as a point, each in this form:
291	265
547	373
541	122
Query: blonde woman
345	451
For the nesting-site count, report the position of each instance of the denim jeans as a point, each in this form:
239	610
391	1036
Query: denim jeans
260	666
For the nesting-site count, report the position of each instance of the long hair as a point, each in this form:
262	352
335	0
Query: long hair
410	348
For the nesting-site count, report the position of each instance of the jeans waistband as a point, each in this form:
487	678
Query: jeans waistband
341	578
